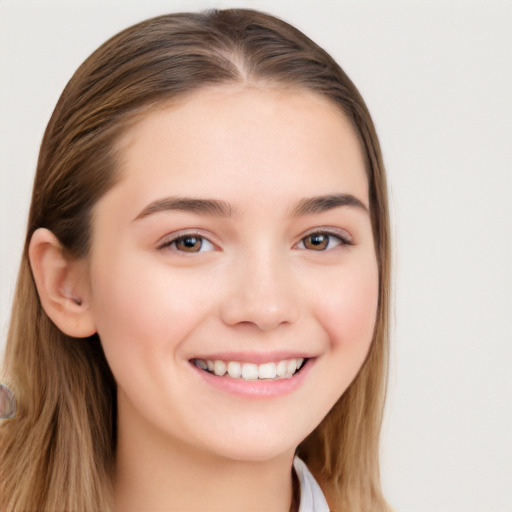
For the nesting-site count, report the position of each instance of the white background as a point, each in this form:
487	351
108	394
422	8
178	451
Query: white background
437	78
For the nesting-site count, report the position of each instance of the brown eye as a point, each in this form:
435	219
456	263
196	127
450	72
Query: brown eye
316	241
321	241
189	243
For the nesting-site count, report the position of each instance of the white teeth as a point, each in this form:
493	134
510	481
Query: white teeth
267	371
281	368
234	369
291	367
219	368
250	371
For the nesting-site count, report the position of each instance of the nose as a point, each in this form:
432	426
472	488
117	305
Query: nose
261	293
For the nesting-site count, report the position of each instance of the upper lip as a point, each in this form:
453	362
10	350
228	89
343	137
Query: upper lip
253	357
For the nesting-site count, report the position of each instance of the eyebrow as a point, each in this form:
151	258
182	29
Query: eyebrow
212	207
215	207
321	204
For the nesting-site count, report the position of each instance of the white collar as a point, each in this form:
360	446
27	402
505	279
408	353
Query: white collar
312	498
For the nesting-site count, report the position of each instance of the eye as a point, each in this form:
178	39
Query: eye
191	243
322	241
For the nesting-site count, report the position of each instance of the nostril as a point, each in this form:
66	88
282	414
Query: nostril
264	316
261	294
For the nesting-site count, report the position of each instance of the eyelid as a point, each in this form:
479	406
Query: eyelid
336	238
167	240
170	238
340	233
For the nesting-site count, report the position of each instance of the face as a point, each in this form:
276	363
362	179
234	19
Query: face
236	247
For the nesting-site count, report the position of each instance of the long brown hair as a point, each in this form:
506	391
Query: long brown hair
58	454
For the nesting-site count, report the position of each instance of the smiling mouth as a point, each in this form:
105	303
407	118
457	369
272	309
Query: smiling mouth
284	369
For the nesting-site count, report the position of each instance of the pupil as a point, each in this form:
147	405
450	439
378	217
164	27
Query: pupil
318	239
189	244
190	241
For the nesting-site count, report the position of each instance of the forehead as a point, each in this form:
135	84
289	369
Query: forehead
221	139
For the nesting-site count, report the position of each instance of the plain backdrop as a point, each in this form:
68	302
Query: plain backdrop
437	79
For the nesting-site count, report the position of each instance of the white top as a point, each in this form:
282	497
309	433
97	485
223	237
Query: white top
312	498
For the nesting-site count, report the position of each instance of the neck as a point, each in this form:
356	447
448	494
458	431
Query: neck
154	472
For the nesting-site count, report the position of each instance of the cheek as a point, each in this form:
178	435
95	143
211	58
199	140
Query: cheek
143	312
347	309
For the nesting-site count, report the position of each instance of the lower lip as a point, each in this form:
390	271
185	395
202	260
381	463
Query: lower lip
256	388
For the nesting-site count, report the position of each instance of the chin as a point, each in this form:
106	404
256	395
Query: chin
254	448
258	454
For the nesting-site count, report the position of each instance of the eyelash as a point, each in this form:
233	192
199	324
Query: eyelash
341	239
332	237
171	243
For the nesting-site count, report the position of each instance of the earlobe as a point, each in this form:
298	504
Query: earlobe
61	284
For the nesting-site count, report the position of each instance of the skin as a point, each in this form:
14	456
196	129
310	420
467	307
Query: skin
258	288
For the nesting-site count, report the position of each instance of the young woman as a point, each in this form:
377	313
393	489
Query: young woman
200	320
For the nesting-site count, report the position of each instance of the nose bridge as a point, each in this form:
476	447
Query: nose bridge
262	291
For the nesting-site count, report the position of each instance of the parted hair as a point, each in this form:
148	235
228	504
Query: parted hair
58	453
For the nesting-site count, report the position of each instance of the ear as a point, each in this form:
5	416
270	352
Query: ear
62	285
